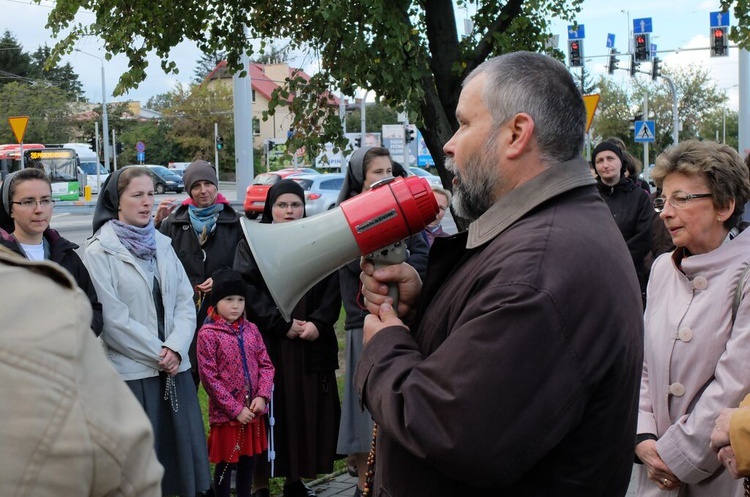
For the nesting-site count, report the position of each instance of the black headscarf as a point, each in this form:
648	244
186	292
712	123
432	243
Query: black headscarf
280	188
108	201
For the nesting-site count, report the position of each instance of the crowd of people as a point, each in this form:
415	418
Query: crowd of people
582	322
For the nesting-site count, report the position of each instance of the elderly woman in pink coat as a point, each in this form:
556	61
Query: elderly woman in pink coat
696	352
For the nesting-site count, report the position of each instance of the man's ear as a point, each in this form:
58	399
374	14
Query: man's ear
521	130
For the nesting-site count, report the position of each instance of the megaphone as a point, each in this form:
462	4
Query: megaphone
292	257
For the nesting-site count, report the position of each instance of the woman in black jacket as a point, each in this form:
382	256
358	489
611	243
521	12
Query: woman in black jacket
24	221
305	354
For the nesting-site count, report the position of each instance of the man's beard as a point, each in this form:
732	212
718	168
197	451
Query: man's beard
475	192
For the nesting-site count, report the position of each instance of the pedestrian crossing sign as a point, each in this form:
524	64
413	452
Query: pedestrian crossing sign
645	131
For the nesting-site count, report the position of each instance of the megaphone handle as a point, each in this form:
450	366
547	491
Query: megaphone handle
387	256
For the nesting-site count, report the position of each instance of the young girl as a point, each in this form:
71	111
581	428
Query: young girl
237	374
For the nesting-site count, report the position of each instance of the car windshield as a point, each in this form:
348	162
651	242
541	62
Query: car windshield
332	184
266	179
419	172
306	184
90	168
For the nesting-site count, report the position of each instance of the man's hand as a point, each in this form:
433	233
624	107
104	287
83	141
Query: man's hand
206	286
375	286
375	322
720	435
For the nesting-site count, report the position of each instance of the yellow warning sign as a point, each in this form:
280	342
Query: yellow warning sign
18	125
591	101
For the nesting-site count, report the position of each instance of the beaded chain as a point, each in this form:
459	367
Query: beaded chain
236	449
170	393
370	475
746	484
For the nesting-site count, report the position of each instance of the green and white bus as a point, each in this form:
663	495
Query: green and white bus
60	164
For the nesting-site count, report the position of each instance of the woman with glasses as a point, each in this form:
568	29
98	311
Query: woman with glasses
696	351
304	352
24	228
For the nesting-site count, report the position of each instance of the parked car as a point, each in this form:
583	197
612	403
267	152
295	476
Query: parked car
164	179
255	195
300	170
431	178
321	191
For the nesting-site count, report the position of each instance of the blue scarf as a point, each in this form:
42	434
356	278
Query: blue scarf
204	219
141	242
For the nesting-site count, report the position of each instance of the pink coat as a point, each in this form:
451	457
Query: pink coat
695	363
221	370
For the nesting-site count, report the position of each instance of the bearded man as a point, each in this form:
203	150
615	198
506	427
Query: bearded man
514	369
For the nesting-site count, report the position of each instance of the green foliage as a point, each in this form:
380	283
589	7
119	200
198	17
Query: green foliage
48	109
409	52
376	114
700	105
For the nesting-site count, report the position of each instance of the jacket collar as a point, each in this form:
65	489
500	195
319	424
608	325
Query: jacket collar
557	179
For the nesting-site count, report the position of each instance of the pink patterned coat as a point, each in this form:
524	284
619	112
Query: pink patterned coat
221	371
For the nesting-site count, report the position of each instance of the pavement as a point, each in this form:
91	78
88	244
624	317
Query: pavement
340	484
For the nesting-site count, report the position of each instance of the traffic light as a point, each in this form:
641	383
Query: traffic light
633	66
613	61
655	68
410	134
642	47
358	141
92	143
219	142
575	53
719	44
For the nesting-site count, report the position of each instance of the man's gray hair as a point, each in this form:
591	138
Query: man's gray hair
541	87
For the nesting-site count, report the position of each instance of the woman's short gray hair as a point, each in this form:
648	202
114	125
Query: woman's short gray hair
725	172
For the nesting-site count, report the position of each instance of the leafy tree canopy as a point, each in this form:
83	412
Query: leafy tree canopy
410	53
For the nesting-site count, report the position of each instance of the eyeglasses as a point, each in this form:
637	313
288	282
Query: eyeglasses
678	201
284	206
30	203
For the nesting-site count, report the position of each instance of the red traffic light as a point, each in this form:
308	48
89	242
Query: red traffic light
574	45
719	33
640	40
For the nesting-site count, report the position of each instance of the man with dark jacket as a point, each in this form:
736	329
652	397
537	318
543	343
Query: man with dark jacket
205	231
521	372
630	205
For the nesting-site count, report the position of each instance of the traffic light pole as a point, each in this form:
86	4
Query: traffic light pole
675	116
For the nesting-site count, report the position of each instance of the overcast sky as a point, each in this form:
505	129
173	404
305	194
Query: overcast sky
682	24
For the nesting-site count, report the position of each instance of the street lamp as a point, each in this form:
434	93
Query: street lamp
105	119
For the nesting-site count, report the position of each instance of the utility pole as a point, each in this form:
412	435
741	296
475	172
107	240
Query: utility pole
645	118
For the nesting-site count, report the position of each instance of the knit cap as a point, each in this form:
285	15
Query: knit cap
226	282
199	170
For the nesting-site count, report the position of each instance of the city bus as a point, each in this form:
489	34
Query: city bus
60	164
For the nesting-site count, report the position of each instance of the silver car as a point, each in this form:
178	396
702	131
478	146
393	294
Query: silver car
321	191
431	178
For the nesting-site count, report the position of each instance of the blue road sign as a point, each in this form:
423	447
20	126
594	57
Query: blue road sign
576	32
140	147
610	40
645	132
141	157
642	25
719	19
653	50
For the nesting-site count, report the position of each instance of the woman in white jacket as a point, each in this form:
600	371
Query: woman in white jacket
149	321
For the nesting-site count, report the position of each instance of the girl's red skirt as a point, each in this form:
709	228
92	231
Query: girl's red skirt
224	438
